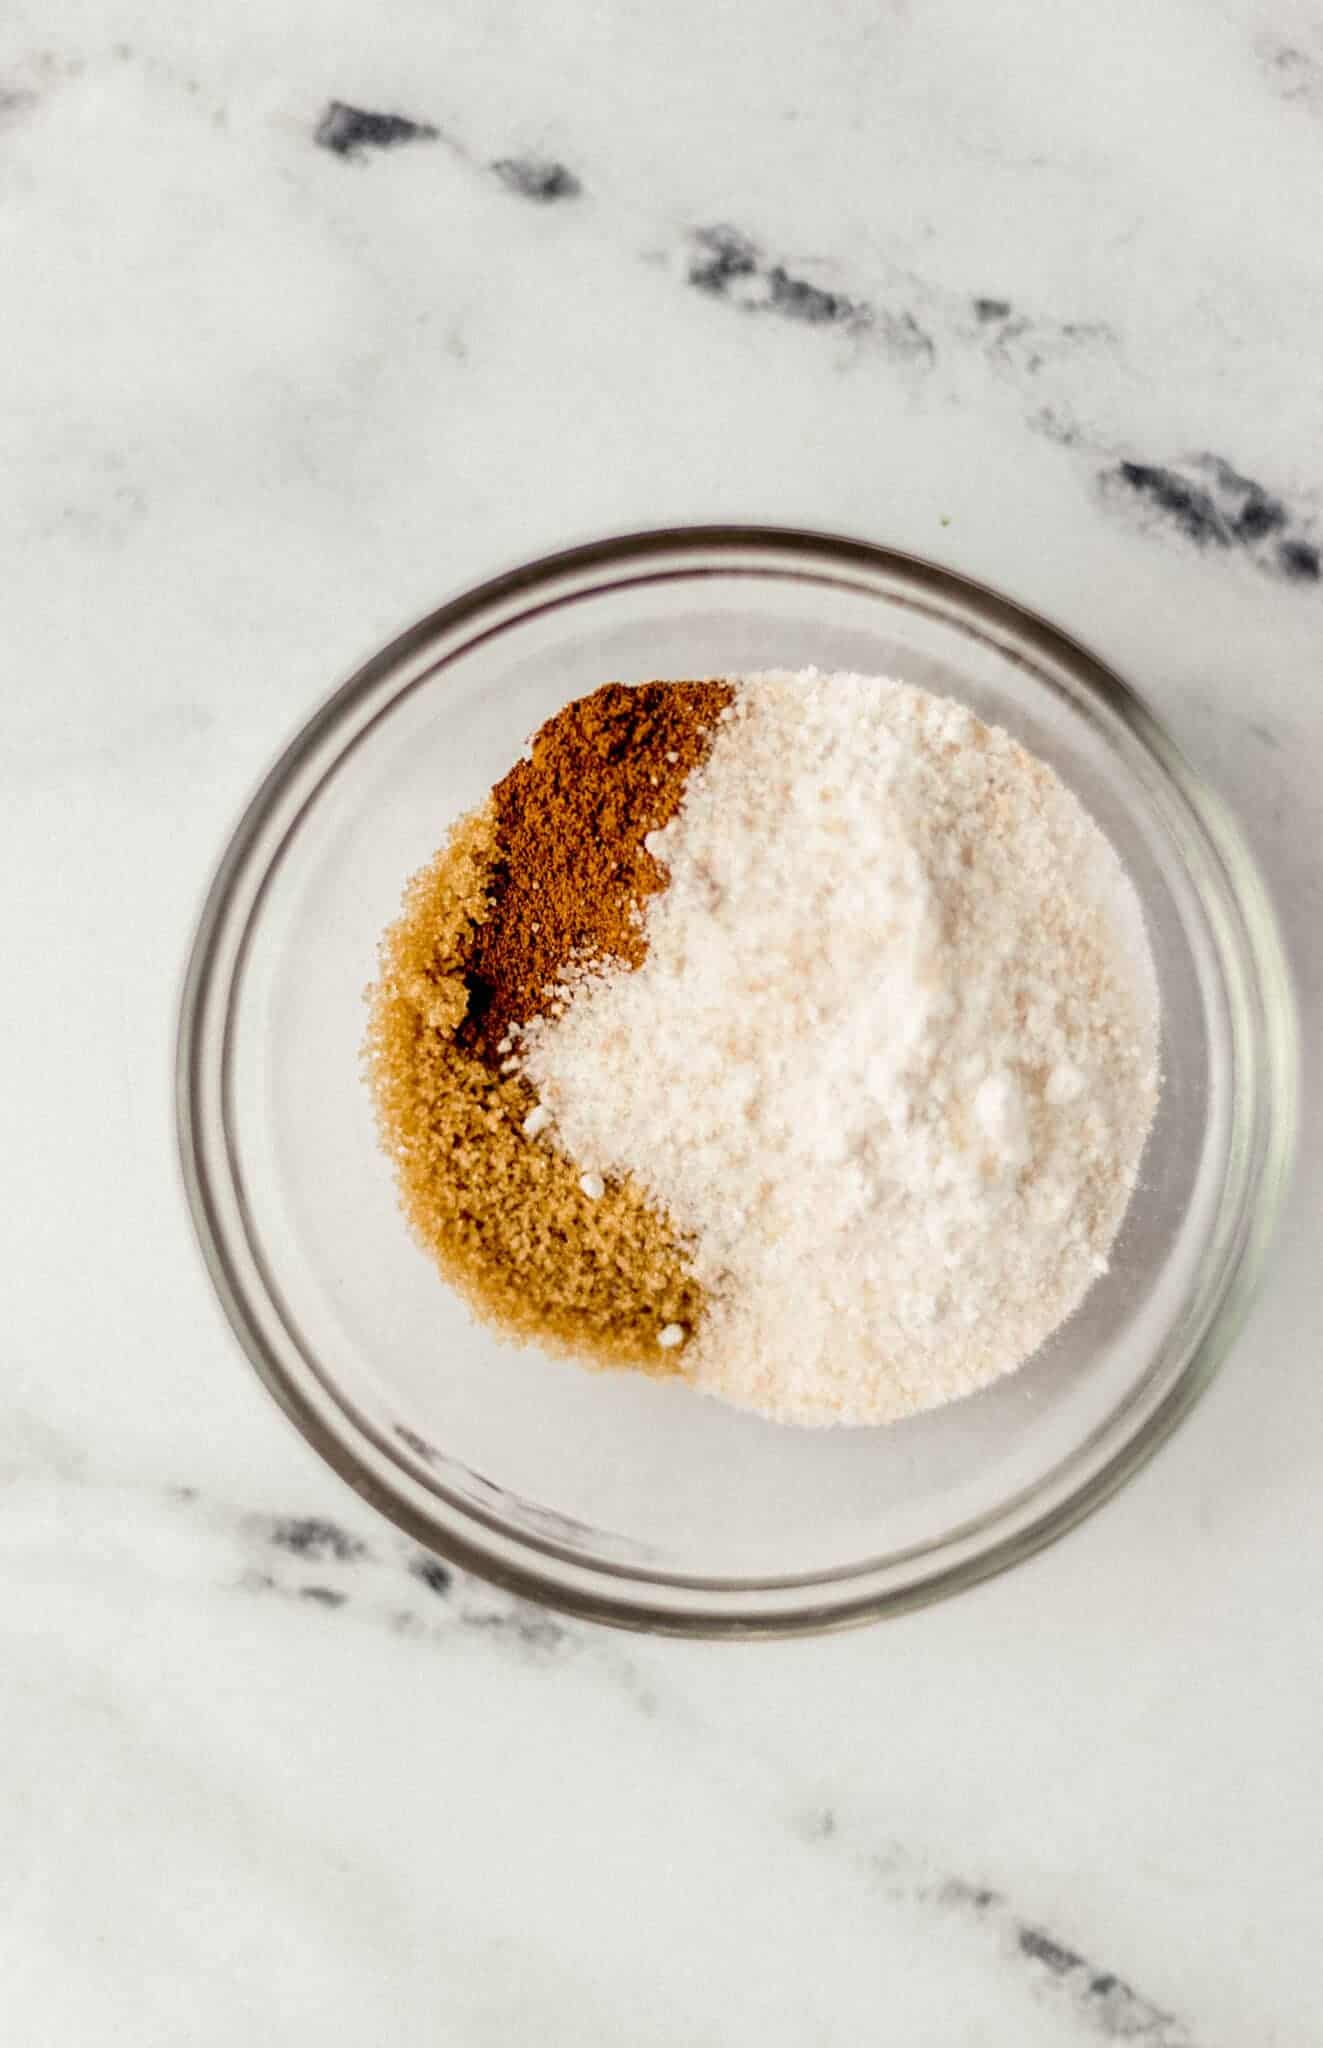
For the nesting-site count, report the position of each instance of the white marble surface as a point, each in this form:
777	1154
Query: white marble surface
263	403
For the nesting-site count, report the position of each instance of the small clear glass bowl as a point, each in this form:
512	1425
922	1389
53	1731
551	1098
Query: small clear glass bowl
632	1500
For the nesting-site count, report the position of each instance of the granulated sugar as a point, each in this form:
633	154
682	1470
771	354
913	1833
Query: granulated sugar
889	1061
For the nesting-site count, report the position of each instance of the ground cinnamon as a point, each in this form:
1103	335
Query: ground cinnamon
572	869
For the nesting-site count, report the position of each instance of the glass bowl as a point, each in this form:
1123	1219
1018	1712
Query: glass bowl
638	1501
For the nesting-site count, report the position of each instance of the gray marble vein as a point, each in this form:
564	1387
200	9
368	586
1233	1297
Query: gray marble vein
393	1585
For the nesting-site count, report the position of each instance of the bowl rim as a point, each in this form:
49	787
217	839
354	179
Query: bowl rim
248	1291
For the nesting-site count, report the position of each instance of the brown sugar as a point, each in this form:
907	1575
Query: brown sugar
548	871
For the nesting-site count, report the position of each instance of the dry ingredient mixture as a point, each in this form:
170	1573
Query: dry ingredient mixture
796	1033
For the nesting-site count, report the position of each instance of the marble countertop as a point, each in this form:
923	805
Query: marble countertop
314	313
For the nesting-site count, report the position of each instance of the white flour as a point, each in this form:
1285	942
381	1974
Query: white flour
891	1059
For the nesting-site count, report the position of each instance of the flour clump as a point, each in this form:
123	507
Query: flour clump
885	1059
